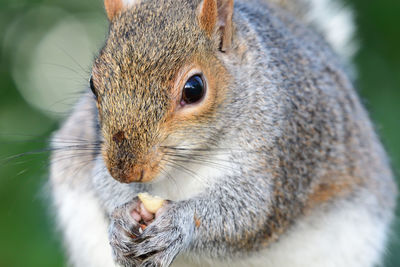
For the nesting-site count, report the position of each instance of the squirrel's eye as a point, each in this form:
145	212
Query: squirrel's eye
193	91
92	87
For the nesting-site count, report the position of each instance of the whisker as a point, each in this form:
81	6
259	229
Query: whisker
68	68
208	149
177	166
84	70
201	162
196	156
169	176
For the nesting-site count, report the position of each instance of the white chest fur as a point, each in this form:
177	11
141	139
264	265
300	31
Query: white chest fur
347	236
186	180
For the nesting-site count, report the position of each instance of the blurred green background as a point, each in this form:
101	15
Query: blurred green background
46	47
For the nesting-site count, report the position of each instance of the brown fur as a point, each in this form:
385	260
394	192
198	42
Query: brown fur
332	186
123	76
225	13
208	16
197	222
113	7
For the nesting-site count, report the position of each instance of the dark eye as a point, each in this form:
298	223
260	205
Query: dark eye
92	87
193	91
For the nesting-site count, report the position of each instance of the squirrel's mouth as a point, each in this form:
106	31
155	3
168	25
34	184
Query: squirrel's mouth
125	170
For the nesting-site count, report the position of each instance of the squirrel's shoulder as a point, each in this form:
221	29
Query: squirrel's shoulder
333	19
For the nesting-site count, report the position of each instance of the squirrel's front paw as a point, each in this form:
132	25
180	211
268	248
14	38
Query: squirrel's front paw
160	241
123	229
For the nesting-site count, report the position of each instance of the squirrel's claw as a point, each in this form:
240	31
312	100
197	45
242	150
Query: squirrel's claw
157	246
121	232
159	243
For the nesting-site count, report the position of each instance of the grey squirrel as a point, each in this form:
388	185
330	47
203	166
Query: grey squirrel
242	117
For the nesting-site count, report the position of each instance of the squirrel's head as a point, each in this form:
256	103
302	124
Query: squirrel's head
158	81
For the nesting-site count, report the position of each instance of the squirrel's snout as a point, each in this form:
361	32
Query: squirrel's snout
133	175
128	158
131	169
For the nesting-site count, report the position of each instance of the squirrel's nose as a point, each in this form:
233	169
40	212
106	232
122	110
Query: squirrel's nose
135	174
125	176
119	137
127	165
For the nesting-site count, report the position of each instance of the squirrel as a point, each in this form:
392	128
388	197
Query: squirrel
244	119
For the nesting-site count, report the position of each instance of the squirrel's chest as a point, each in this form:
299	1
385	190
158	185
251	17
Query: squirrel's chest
347	236
187	179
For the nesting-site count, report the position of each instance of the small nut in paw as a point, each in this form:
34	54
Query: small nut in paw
151	203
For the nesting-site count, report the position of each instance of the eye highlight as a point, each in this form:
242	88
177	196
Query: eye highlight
193	91
92	87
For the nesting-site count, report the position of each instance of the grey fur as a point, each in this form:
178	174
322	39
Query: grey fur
292	117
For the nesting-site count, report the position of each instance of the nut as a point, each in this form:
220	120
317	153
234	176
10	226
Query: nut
151	203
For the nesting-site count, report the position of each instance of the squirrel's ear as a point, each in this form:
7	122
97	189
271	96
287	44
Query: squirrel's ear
113	7
216	16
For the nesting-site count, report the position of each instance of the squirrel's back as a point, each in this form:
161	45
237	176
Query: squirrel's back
332	18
